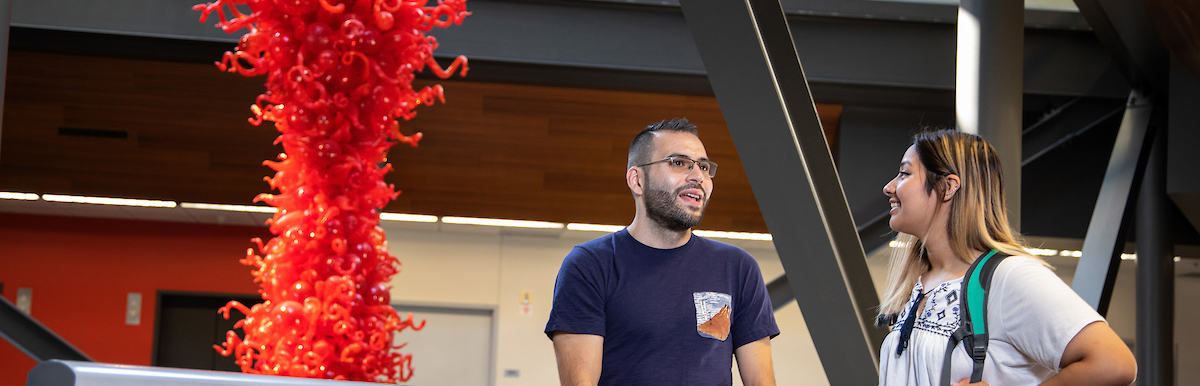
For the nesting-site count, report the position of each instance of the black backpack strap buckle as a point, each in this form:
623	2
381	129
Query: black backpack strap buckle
978	352
979	345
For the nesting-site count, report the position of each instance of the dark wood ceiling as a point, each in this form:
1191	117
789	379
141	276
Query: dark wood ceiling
178	131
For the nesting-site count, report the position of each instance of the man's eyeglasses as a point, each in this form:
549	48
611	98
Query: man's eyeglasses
684	165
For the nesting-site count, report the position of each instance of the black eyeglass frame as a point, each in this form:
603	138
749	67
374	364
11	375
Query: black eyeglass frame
712	169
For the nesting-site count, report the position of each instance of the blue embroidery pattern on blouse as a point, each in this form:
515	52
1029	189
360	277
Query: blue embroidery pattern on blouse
940	314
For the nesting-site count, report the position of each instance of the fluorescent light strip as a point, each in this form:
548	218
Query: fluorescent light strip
594	227
734	235
108	201
1041	252
407	217
230	208
1055	252
1133	256
18	196
502	223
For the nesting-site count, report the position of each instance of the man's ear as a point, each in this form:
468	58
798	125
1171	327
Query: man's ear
633	178
952	185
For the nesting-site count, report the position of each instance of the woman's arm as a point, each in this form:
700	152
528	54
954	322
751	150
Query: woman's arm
1045	320
1095	356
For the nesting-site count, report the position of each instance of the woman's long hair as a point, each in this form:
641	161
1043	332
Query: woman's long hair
978	216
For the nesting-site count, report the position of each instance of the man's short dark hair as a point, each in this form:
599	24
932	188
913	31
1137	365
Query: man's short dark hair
640	149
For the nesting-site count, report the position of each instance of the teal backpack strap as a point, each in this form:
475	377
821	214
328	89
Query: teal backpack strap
972	325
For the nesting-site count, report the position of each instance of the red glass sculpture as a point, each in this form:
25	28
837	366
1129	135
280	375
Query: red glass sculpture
338	74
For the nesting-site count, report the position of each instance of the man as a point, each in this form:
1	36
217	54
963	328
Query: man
653	304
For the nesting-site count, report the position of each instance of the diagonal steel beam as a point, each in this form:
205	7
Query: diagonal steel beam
1097	270
751	61
33	338
872	235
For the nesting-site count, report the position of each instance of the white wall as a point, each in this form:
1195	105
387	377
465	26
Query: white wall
477	266
480	266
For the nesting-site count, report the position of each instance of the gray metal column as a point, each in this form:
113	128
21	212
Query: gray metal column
1155	272
1097	269
988	84
755	72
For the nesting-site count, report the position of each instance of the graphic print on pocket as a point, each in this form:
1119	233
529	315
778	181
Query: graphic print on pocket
713	313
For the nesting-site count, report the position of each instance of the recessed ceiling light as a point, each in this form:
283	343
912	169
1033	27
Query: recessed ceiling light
108	201
734	235
501	222
232	208
1041	251
593	227
407	217
18	196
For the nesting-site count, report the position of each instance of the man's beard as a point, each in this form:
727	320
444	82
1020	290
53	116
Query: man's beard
662	208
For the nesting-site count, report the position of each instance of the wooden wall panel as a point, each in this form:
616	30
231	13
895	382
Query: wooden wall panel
493	150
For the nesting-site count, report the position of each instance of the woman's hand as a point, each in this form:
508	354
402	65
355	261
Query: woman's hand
965	380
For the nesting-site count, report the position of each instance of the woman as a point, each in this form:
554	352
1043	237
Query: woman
948	208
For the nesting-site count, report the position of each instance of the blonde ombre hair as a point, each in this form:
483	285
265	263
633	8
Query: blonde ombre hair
978	218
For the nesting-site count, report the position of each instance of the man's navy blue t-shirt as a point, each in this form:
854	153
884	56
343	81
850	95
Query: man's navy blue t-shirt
668	316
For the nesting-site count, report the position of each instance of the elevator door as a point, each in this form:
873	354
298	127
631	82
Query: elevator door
188	326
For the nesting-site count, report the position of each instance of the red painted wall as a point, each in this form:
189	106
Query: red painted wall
81	271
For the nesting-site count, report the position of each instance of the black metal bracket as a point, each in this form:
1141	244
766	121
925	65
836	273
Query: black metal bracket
33	338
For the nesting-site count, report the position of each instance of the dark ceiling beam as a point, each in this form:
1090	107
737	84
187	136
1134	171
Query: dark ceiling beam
604	36
1065	124
1126	30
891	10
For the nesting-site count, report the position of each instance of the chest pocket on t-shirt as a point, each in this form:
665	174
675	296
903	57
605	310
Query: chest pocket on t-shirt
714	310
